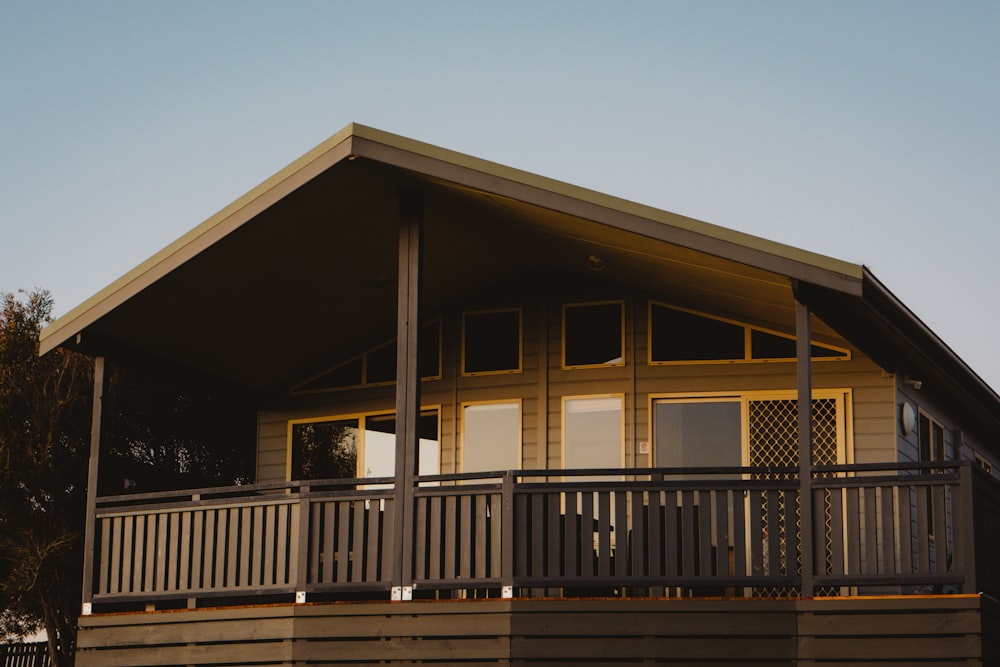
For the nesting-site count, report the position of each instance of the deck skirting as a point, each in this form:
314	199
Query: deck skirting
955	629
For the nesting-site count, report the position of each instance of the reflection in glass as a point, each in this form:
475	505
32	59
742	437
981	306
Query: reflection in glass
491	436
698	434
325	450
592	335
380	445
360	447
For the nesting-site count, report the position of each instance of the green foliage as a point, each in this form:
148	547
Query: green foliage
163	436
44	444
324	450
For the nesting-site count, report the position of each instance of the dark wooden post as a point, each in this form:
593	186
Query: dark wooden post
507	536
965	527
298	574
803	355
411	219
91	526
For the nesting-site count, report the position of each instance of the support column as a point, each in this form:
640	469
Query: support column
407	388
803	356
90	527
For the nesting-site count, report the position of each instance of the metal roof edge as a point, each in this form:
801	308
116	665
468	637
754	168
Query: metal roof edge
875	287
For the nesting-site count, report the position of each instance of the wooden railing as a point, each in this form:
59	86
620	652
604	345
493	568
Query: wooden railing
709	531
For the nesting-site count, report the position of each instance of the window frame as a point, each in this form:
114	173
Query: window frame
520	341
584	304
748	330
562	424
460	458
361	417
363	356
932	424
843	396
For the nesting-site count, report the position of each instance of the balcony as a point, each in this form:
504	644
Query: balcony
720	532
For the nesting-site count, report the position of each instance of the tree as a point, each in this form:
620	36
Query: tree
44	443
157	434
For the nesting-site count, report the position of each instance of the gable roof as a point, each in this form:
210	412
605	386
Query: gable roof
273	269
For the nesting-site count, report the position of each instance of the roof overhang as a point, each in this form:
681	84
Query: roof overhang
251	297
886	330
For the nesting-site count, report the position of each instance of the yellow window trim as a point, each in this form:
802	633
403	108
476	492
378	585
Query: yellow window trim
364	368
520	341
562	424
747	333
460	419
580	304
843	396
361	417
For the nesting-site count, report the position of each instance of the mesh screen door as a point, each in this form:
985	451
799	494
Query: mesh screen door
772	440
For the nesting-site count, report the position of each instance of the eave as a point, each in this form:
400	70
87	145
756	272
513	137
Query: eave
470	201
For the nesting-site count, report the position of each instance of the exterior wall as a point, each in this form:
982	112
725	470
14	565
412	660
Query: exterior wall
960	445
871	411
941	629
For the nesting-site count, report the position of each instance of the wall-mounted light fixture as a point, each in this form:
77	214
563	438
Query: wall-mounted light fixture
596	264
908	418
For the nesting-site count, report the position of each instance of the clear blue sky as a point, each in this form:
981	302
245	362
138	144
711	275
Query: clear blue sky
865	130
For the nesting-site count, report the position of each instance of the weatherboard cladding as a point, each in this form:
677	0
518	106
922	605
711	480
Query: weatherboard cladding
871	408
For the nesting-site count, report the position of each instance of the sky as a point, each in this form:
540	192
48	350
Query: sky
866	130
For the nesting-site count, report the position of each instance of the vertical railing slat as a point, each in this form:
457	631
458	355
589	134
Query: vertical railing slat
705	533
555	537
853	517
836	531
722	543
739	533
184	570
481	519
587	545
888	530
372	555
604	533
688	533
435	557
671	534
343	548
638	530
571	537
465	518
358	541
450	529
941	546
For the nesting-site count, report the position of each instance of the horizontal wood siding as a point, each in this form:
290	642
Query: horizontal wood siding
947	630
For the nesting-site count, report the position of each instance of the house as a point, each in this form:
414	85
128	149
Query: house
503	419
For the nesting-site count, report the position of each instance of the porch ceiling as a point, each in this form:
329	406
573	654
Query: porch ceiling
304	268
